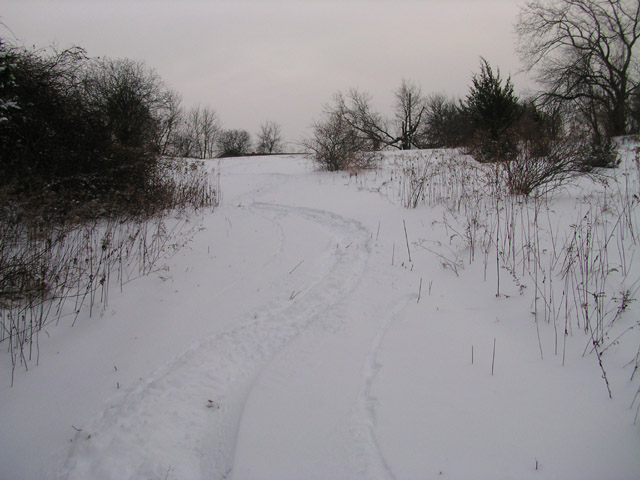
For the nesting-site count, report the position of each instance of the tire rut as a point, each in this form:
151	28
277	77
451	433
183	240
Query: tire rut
193	405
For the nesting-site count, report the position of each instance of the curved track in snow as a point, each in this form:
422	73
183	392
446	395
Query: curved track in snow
287	340
183	422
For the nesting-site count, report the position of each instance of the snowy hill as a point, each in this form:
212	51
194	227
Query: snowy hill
314	327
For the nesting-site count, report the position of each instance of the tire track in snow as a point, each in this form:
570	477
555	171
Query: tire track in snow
183	421
371	460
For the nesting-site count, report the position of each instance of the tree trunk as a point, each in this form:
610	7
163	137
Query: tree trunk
618	119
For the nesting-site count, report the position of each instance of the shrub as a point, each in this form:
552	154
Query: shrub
336	145
80	176
602	154
542	164
50	268
234	143
78	135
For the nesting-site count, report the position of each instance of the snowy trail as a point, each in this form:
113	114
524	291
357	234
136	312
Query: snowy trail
364	418
184	420
311	412
303	333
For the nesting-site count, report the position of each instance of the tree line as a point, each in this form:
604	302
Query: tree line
197	133
78	131
580	51
82	129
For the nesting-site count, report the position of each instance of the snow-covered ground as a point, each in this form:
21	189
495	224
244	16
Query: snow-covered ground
310	329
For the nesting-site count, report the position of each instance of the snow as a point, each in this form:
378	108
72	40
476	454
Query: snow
290	338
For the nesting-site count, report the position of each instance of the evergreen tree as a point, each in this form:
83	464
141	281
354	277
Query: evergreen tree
492	110
7	83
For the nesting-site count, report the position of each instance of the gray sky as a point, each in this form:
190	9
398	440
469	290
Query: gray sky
282	60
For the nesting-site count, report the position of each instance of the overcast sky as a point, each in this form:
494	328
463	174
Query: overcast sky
282	60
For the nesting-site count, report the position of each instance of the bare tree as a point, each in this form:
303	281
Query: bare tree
198	133
336	144
269	138
169	117
355	110
129	95
444	124
208	132
191	142
373	128
583	51
409	113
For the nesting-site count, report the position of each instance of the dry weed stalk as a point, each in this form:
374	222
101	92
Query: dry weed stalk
55	270
580	268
